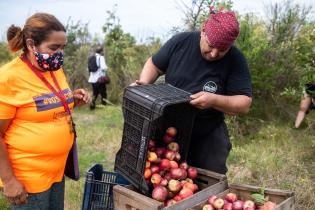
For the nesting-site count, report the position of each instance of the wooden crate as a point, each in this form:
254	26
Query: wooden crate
210	183
284	199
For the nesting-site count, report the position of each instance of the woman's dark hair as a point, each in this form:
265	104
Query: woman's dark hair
37	27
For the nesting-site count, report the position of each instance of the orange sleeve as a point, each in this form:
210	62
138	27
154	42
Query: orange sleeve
7	108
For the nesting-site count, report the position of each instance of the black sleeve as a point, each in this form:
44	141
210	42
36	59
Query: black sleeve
238	80
163	56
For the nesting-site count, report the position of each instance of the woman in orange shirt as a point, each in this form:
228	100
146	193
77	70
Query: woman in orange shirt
36	128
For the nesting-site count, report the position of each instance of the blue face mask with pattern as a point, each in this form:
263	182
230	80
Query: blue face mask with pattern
49	62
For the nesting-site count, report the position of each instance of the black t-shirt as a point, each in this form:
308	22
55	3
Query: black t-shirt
184	67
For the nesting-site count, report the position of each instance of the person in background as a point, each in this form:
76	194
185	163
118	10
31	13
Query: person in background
99	87
206	64
36	128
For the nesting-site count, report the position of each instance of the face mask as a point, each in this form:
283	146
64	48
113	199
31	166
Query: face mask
49	62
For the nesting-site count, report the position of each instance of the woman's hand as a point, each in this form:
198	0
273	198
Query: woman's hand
138	82
15	192
81	97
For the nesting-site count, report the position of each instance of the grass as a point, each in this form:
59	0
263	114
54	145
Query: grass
271	154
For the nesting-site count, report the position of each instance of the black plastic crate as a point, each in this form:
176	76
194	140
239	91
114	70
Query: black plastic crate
148	111
98	188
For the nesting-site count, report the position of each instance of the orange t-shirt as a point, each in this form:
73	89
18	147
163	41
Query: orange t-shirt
39	139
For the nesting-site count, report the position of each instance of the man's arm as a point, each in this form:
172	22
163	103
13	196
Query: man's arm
149	73
13	189
232	105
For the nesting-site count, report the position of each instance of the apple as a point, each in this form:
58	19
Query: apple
168	176
167	139
156	179
249	204
147	164
147	173
228	206
177	157
159	193
169	154
218	203
171	131
151	144
238	205
268	205
165	164
152	156
230	197
173	164
160	151
154	169
183	165
249	208
178	173
208	207
173	146
185	193
189	185
164	182
192	172
177	198
189	180
174	185
211	199
170	202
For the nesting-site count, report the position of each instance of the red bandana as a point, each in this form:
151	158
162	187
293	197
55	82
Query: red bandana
222	29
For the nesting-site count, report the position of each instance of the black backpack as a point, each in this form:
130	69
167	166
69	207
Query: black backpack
92	65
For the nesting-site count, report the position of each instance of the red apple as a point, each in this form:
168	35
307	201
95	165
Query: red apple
238	205
177	198
167	139
249	208
154	169
192	172
178	173
164	182
218	203
165	164
151	144
227	206
171	131
152	156
160	151
173	164
169	154
174	185
231	197
159	193
173	146
189	185
183	165
185	193
249	204
177	157
156	179
147	173
208	207
211	199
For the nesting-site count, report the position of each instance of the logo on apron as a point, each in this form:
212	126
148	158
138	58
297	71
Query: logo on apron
210	87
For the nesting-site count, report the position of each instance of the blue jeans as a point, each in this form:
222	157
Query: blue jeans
51	199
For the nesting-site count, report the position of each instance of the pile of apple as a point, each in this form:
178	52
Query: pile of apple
170	179
231	202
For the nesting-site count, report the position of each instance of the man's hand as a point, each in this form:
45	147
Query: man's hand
15	192
202	100
138	82
81	97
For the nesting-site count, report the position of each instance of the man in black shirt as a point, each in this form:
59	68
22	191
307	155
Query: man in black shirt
207	65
